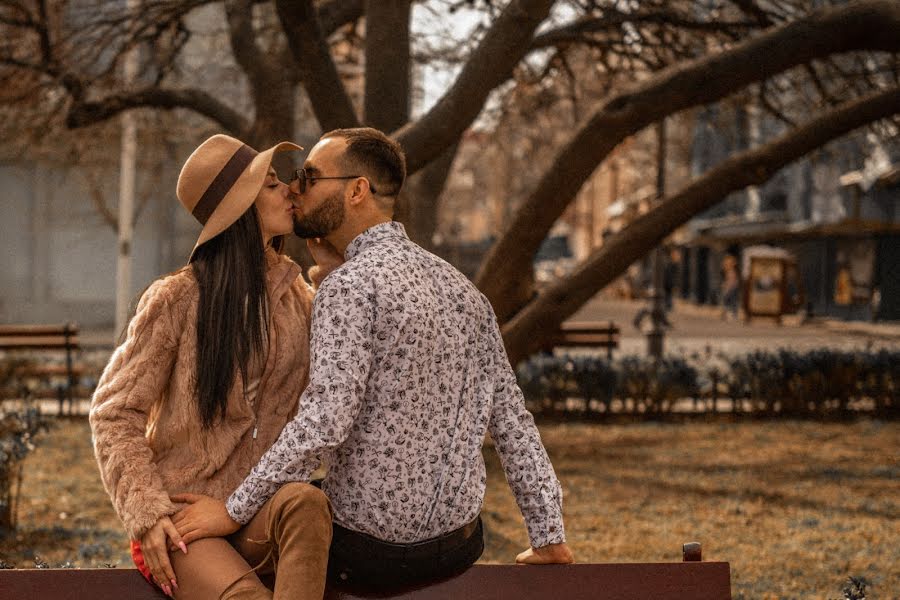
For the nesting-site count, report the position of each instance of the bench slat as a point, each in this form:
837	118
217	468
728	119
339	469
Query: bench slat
50	370
587	334
590	327
627	581
34	343
29	330
581	339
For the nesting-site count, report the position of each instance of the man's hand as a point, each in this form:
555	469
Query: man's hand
203	517
155	548
551	554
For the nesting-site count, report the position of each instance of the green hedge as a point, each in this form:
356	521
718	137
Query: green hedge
817	383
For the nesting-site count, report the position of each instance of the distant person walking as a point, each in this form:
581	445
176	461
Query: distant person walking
731	287
670	276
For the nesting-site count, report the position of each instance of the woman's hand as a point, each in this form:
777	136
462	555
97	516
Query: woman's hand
155	548
325	254
327	259
202	517
551	554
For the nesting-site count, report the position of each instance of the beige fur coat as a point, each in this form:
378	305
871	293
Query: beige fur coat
148	437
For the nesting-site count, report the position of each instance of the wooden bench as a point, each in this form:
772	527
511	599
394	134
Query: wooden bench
689	580
46	337
585	334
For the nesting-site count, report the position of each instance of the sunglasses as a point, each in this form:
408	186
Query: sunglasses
301	176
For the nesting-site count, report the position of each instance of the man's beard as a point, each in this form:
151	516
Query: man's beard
324	219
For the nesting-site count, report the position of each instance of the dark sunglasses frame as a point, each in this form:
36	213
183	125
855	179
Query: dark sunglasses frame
303	177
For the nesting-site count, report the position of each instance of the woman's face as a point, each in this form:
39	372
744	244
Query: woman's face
273	203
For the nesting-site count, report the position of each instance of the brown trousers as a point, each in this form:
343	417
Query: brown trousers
288	538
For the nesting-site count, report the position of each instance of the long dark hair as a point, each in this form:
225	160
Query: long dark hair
233	312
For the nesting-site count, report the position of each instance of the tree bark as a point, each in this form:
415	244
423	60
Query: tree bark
271	80
336	13
551	307
88	113
862	25
315	66
418	205
387	91
492	62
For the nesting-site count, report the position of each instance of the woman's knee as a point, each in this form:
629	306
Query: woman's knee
302	498
247	587
212	568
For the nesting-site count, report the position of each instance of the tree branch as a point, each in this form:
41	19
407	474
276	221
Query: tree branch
751	9
87	113
860	25
247	53
754	167
502	47
386	103
613	19
316	68
98	198
334	14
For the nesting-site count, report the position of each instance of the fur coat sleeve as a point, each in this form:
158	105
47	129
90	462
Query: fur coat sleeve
129	391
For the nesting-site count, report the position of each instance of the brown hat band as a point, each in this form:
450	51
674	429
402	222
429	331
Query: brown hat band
223	182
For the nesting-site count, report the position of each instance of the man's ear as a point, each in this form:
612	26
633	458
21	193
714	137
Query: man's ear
357	192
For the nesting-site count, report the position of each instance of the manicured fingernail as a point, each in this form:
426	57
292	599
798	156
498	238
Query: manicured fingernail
183	547
167	590
174	584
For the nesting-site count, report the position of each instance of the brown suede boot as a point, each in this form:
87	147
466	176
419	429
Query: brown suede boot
291	535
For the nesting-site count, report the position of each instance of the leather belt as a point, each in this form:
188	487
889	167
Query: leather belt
426	549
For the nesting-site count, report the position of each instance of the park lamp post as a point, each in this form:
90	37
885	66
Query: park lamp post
656	309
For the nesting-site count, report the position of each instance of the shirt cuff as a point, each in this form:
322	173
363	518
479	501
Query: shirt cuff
545	522
551	531
246	501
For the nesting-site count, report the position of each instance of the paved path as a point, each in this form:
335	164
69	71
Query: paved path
694	328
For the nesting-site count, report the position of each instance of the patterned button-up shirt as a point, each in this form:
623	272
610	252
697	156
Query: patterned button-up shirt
408	373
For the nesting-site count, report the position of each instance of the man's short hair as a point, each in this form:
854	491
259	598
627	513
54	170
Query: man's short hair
376	155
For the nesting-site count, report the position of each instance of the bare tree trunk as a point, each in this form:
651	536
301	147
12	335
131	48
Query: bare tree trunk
387	94
315	66
864	25
272	82
523	334
418	206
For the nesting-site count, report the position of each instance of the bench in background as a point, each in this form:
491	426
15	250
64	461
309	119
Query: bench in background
585	334
63	338
689	580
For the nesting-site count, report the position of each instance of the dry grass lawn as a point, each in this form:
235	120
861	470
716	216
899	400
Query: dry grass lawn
795	507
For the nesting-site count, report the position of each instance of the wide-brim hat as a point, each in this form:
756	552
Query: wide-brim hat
220	181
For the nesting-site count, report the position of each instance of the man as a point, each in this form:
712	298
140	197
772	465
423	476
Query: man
408	373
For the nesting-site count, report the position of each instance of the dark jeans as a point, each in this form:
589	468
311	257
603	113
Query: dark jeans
360	560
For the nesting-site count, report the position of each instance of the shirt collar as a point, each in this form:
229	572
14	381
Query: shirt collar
373	235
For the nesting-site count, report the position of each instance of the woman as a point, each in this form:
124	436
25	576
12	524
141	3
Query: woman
213	365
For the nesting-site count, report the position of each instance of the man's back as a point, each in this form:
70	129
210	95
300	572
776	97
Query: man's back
408	460
408	374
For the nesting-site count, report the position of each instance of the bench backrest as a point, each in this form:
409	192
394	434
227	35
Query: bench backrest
626	581
39	337
609	329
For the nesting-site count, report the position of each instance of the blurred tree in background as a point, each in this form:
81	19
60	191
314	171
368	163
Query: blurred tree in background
822	68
